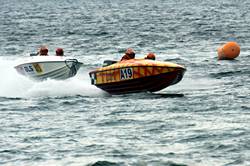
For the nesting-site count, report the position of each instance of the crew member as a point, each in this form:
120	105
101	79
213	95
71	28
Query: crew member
129	54
59	52
43	51
150	56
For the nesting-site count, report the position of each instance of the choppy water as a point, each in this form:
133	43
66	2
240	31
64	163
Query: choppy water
202	121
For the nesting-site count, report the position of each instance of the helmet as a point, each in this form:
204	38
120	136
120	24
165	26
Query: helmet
150	56
130	52
59	52
43	50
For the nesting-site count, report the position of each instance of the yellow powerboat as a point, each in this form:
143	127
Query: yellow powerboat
136	75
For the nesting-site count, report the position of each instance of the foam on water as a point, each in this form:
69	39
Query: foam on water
14	85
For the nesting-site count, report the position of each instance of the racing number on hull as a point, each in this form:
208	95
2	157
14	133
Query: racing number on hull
32	68
126	73
28	69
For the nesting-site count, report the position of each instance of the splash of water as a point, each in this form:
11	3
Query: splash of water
14	85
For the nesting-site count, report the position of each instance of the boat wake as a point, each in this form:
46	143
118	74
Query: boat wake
14	85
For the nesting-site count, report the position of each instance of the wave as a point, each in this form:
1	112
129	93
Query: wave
103	163
107	163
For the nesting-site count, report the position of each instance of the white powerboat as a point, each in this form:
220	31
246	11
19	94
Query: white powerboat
53	67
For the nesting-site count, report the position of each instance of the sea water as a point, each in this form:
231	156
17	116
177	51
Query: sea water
201	121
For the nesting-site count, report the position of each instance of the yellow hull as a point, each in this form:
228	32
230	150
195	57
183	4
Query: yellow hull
130	76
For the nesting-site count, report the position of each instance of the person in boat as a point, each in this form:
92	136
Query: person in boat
43	51
150	56
129	54
59	52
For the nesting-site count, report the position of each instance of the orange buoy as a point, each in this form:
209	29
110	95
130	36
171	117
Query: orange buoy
230	50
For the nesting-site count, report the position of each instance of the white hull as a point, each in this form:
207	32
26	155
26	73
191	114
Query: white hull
53	67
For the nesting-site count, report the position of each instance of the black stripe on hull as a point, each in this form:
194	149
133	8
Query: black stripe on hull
150	83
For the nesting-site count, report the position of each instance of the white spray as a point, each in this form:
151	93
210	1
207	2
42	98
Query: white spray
14	85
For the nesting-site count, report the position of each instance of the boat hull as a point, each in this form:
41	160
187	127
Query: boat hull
60	69
135	77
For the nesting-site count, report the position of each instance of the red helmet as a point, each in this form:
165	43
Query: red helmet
43	51
150	56
130	52
59	52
